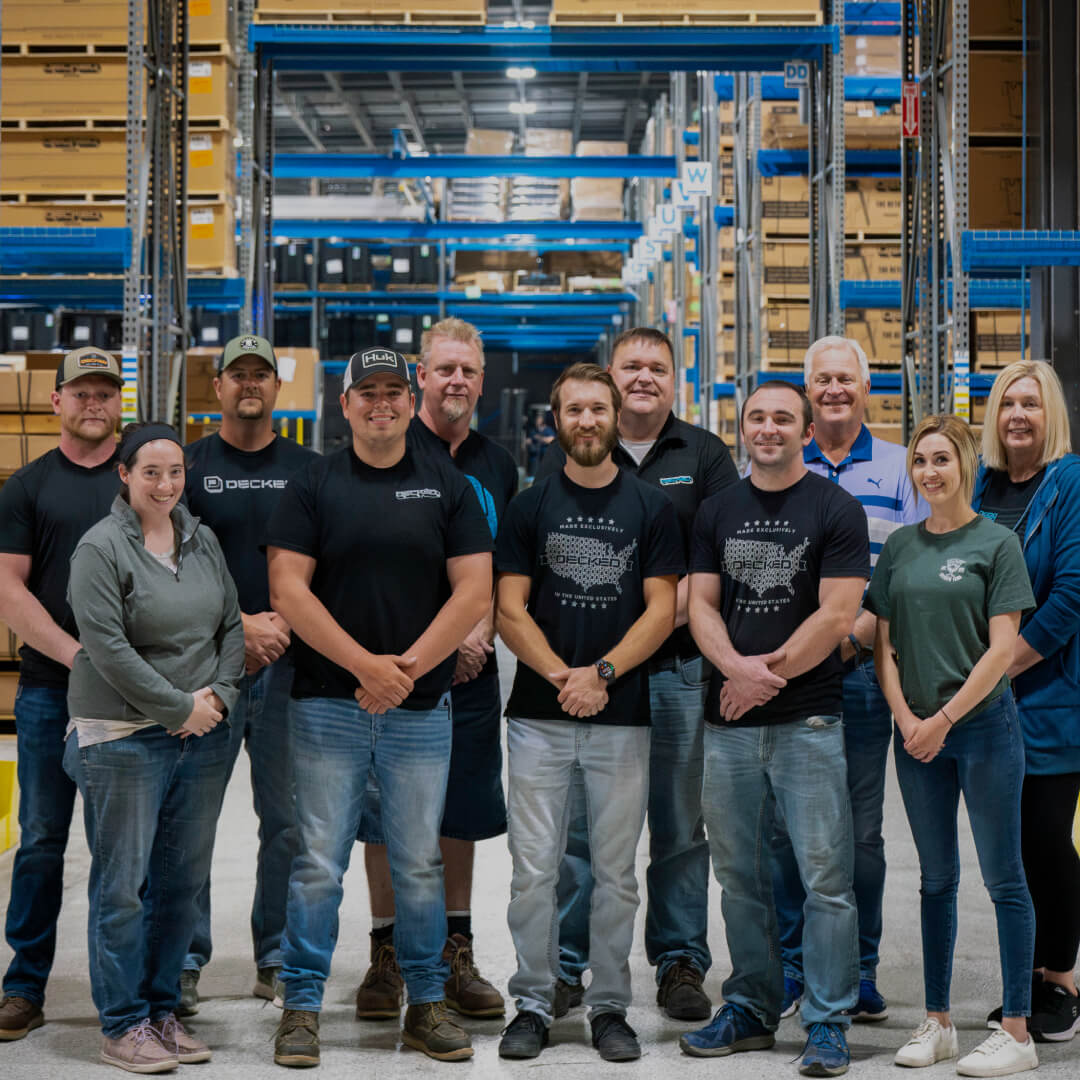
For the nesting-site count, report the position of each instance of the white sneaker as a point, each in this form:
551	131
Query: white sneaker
930	1042
1000	1055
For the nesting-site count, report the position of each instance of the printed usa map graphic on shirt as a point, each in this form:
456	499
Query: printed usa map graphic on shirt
762	565
588	562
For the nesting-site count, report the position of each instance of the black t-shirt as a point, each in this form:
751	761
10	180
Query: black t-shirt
44	510
772	548
1005	502
488	467
588	552
380	538
688	464
233	491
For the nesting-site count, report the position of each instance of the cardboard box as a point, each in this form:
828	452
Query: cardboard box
893	433
997	338
872	262
787	332
102	22
866	126
211	238
485	280
786	270
27	391
297	370
873	54
19	450
880	332
885	409
871	205
201	370
598	198
996	93
211	164
487	141
995	194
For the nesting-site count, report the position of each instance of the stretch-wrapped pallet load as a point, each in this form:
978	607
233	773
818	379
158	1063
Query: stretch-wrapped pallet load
594	198
539	198
482	198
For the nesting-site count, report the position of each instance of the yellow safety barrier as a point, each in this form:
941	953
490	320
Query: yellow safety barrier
9	806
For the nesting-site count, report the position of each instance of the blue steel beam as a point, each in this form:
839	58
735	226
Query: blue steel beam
859	162
1010	250
876	88
982	294
582	300
345	229
359	166
220	294
541	247
348	48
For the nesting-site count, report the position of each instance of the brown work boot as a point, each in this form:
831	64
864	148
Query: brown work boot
296	1041
18	1017
467	992
428	1027
382	993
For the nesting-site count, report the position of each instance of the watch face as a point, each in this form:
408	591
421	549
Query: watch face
606	669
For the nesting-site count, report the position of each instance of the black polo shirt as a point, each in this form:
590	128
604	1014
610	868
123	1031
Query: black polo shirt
688	464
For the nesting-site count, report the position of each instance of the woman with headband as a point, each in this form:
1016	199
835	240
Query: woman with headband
160	665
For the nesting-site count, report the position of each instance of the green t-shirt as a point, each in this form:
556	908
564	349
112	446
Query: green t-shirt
939	592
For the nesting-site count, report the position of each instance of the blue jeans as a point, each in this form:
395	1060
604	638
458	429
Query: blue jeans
677	880
260	718
867	732
613	761
46	799
798	770
150	804
335	745
984	759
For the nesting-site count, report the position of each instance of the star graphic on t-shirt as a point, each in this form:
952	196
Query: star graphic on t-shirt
570	518
757	522
593	606
580	518
746	524
776	608
611	521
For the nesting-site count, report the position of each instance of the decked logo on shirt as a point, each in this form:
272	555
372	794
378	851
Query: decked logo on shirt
953	570
762	565
665	480
419	493
214	485
588	562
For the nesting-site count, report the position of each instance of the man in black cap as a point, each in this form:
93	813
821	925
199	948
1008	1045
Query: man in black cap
234	480
380	560
44	510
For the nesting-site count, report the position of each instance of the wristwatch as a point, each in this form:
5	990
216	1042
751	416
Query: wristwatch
607	671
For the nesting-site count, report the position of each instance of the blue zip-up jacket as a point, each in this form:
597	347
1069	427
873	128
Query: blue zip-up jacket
1048	694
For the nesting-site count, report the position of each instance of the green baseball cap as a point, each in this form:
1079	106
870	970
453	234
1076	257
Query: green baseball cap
88	361
244	346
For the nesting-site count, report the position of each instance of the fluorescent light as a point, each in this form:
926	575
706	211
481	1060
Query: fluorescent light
521	73
522	108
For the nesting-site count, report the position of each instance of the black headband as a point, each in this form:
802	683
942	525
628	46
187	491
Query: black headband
130	446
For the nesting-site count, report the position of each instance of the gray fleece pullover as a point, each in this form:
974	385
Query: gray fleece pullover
150	637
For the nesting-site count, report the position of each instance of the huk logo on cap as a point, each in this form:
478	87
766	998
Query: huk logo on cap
378	356
94	360
249	344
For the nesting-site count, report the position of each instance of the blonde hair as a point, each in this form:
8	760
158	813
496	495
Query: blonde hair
963	439
454	330
1057	442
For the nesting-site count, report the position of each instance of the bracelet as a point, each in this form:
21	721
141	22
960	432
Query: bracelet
952	722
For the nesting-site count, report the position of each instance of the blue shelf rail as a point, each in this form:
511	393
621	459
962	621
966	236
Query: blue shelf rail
872	17
107	293
983	293
359	166
859	162
990	250
876	88
64	249
529	231
881	382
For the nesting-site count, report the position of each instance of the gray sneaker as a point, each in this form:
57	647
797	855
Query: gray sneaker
189	992
188	1049
138	1050
268	984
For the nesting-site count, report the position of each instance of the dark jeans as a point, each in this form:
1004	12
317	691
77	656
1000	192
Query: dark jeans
867	731
46	799
260	719
150	803
984	759
1052	866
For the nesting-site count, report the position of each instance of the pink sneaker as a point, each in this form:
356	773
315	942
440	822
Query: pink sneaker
138	1050
175	1037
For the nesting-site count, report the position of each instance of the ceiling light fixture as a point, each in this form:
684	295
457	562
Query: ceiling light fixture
521	73
522	108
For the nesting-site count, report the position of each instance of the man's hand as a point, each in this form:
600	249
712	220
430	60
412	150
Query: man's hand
266	637
582	693
472	655
749	682
924	743
384	682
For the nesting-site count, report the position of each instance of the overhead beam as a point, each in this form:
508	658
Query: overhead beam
296	114
463	100
356	115
408	106
633	106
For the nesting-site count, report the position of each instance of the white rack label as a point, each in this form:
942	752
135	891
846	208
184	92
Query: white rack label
335	266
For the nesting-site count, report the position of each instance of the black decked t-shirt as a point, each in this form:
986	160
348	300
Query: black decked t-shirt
490	470
772	548
44	510
380	539
234	491
588	552
1006	502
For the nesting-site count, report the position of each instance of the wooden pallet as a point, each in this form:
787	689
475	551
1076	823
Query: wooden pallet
110	195
361	17
686	13
102	123
321	287
33	48
433	287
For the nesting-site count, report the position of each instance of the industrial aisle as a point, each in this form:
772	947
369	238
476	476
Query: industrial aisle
240	1028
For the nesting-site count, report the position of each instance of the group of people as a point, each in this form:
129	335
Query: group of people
725	658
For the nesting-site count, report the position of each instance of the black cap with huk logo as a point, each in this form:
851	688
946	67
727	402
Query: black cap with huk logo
375	361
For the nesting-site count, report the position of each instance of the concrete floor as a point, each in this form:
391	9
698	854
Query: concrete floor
240	1028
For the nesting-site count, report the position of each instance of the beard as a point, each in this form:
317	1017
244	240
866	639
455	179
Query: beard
589	456
251	409
454	408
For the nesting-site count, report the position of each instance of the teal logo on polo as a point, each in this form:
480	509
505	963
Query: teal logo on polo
666	480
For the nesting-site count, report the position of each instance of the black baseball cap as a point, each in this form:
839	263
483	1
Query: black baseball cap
375	361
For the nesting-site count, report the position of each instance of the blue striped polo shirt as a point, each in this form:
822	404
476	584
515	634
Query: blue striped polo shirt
875	472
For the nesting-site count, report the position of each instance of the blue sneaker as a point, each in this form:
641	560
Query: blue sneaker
732	1030
826	1051
871	1007
793	990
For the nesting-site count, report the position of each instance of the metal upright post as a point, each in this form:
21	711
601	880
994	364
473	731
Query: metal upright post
245	85
262	199
837	174
135	210
707	249
961	320
911	215
657	197
678	246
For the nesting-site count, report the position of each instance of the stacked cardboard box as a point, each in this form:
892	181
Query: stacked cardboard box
597	198
28	427
536	198
482	198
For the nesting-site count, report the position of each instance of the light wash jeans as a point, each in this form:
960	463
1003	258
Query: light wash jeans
150	804
335	745
260	719
867	734
796	769
677	880
543	755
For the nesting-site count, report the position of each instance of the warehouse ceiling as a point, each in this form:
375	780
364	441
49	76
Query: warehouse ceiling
357	112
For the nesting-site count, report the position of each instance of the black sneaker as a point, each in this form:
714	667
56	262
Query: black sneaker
1055	1016
567	996
993	1019
680	993
615	1038
524	1037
